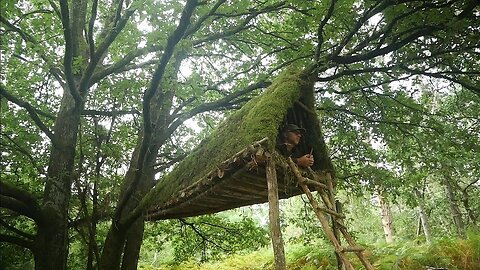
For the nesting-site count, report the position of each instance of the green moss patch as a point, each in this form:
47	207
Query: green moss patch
259	118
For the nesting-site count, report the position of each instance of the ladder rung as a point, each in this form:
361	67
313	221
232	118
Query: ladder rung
353	249
310	182
328	211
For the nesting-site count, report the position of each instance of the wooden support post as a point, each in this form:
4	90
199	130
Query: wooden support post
336	231
274	216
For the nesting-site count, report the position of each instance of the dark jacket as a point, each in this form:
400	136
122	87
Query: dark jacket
294	153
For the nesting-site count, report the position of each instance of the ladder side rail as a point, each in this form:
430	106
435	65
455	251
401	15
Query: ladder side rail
320	216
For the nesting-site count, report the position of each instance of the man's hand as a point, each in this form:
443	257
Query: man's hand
305	161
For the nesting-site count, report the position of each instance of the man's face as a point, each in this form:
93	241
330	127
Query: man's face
293	137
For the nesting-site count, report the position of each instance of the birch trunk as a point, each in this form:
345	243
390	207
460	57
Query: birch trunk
423	216
387	219
452	202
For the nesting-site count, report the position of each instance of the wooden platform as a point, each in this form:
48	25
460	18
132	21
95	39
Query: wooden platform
239	181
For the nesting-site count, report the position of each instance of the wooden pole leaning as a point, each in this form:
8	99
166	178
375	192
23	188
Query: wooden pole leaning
321	217
274	214
329	200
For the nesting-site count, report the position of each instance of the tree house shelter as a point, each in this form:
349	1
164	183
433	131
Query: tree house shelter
238	165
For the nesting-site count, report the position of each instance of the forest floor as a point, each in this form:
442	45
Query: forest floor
448	253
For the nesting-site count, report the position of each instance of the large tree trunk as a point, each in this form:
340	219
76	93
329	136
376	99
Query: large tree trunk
133	244
387	218
112	249
127	242
423	216
452	202
122	246
52	235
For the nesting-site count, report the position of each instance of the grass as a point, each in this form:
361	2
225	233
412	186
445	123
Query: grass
452	254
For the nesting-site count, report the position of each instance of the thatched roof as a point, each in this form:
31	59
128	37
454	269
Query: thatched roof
223	173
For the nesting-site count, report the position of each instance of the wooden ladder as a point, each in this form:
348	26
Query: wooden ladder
326	192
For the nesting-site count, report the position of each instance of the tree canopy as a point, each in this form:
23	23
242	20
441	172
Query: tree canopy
95	96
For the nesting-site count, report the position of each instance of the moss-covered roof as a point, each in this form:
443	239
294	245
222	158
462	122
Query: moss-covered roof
259	118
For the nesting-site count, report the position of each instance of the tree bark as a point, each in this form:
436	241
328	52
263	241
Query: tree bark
423	217
117	235
452	202
122	246
52	235
387	219
132	246
112	249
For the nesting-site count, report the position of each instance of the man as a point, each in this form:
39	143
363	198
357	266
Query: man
290	138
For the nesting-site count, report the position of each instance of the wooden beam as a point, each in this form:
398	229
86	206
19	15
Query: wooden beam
274	216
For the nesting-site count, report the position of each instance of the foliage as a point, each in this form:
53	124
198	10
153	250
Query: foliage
15	258
203	238
457	254
95	95
447	253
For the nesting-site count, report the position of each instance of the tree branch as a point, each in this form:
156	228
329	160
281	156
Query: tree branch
21	196
172	160
31	111
215	104
17	241
172	41
204	237
68	56
320	28
15	230
23	151
378	7
91	23
471	87
194	28
109	113
121	64
55	71
240	27
368	119
349	59
85	81
18	207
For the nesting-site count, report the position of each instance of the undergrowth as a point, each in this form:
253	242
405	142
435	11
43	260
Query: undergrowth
451	254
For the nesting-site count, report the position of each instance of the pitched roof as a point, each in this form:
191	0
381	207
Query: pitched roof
223	172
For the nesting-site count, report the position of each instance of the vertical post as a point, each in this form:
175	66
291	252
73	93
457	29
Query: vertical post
274	216
337	208
336	231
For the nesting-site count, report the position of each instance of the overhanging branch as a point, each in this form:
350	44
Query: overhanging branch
26	199
17	241
109	113
31	111
15	230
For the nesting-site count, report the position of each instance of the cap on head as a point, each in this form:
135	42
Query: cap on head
293	127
